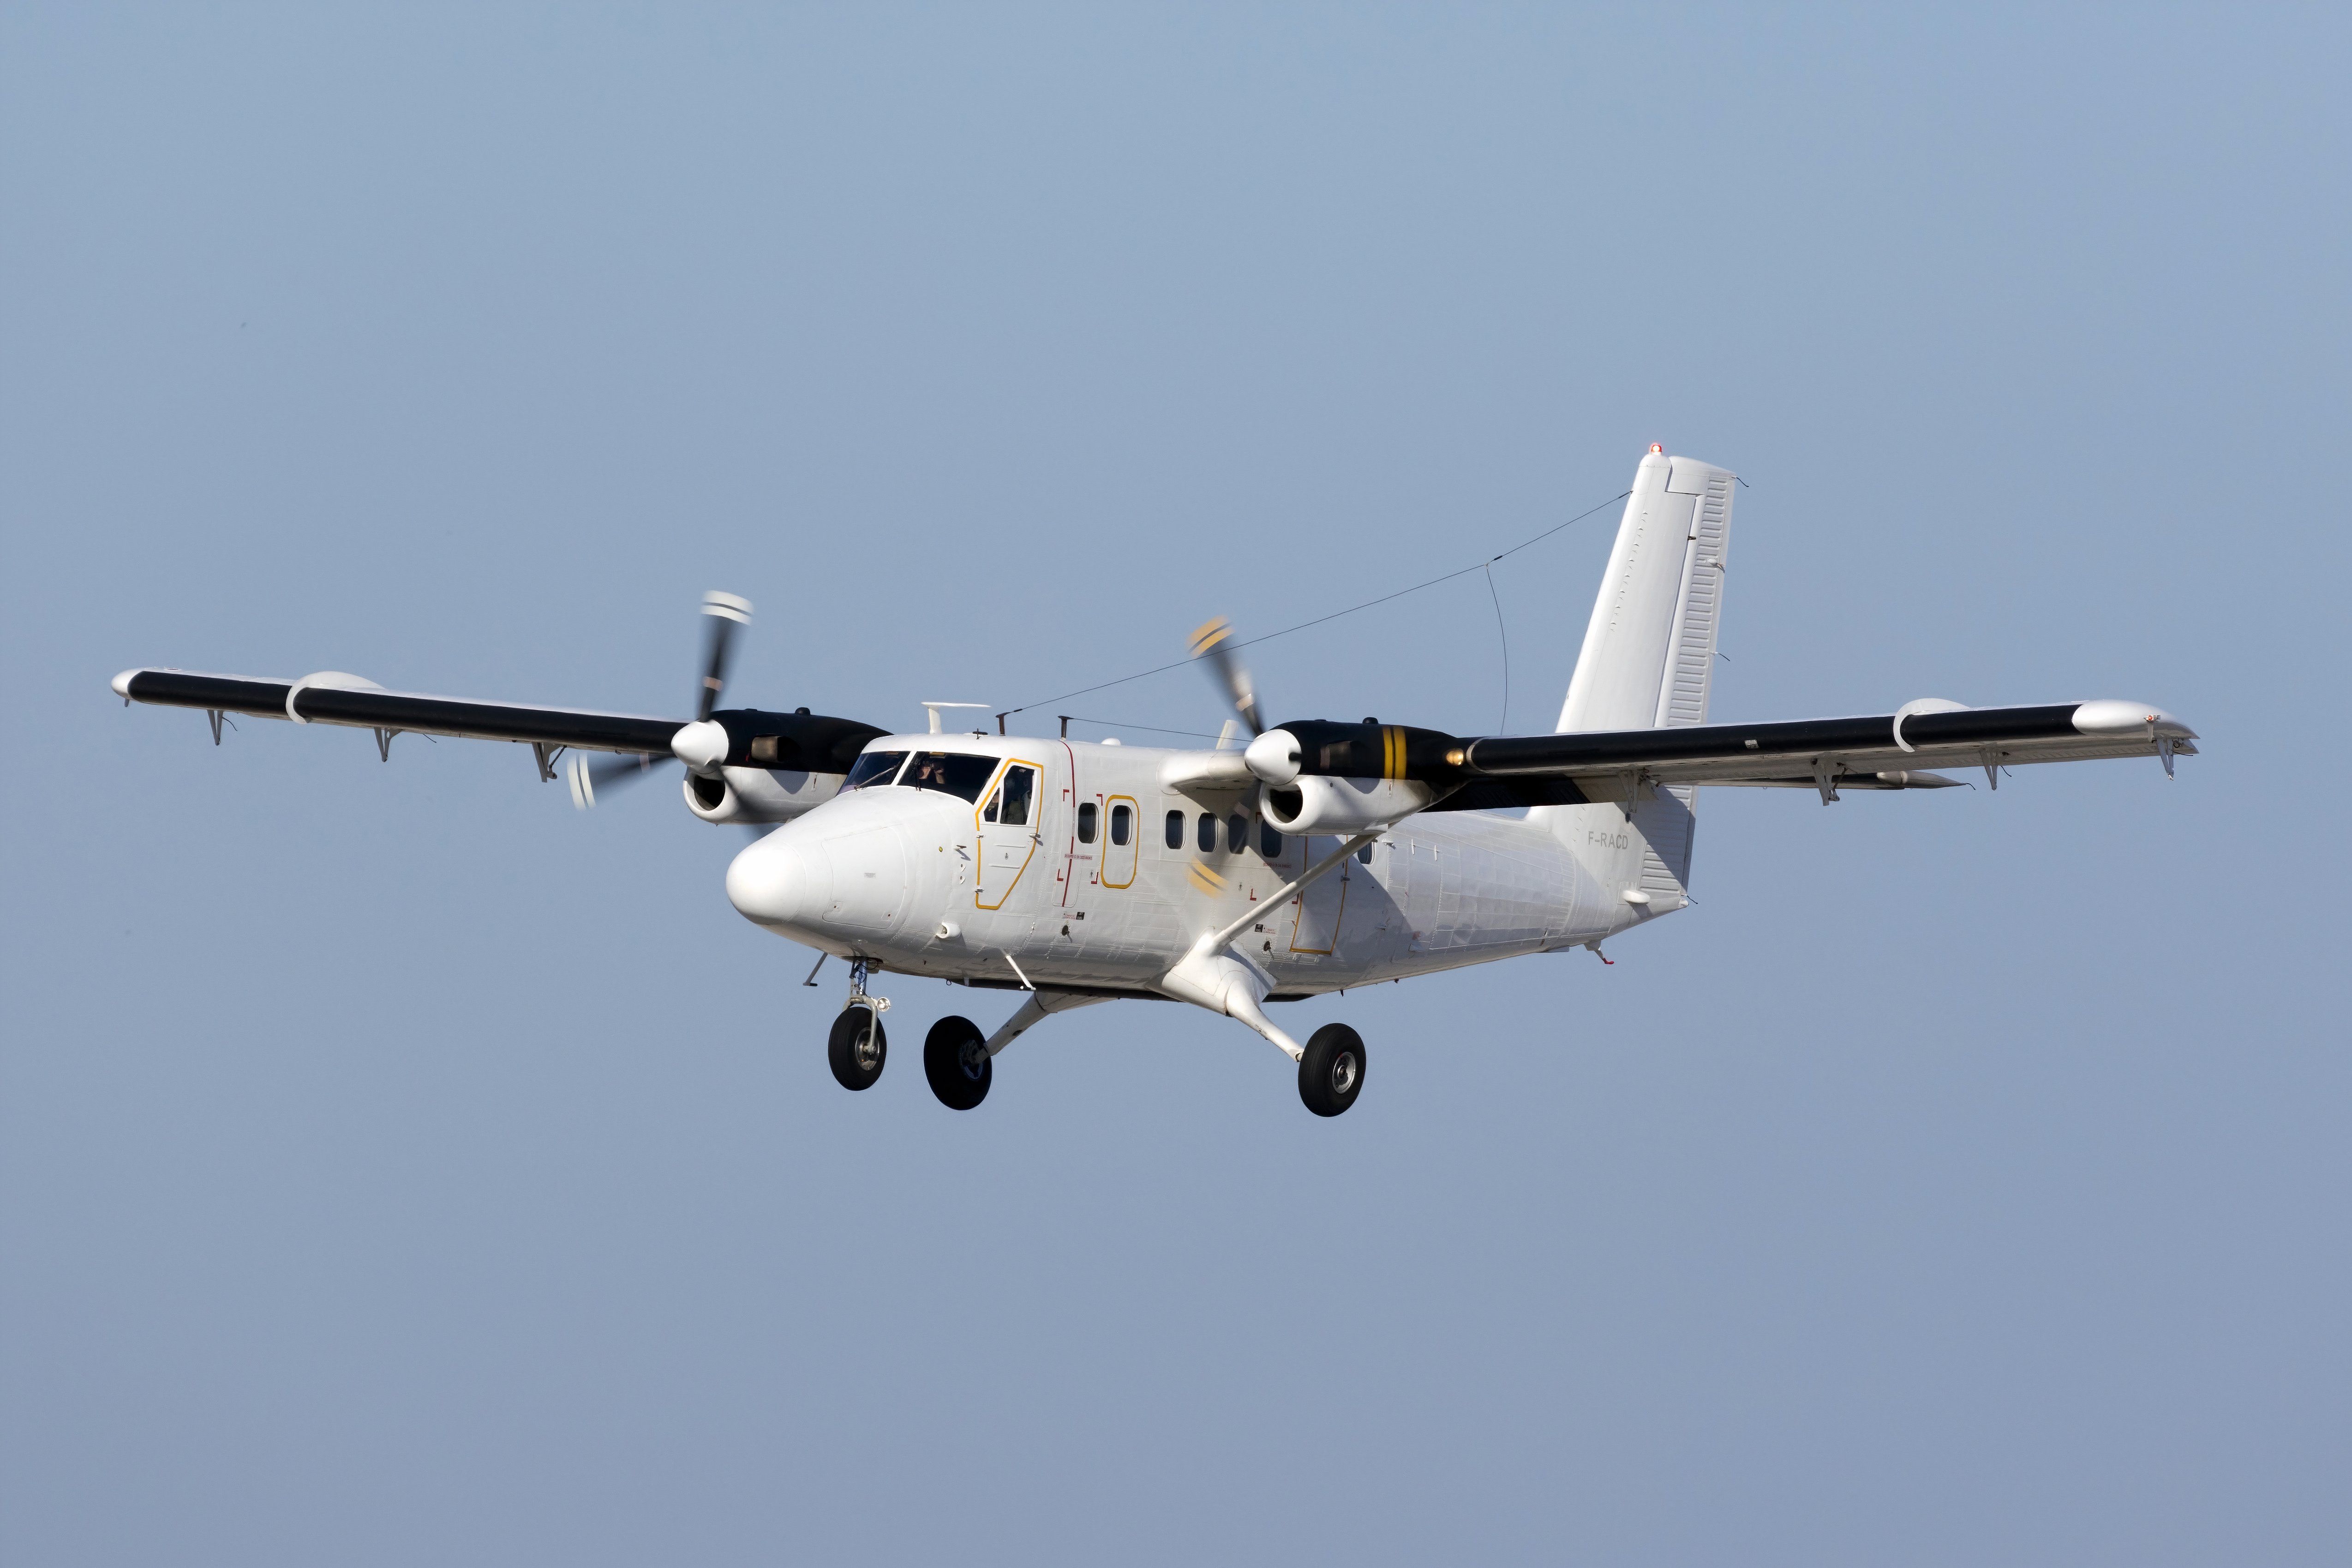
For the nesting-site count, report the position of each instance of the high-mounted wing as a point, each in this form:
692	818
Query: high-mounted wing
713	739
812	742
1822	752
1893	751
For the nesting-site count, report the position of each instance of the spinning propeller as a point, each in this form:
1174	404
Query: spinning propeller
695	743
725	611
1213	643
1369	750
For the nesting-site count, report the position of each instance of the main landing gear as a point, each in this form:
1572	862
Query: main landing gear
959	1066
1331	1069
956	1060
858	1045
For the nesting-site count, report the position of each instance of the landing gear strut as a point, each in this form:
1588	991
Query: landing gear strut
956	1060
858	1045
1331	1069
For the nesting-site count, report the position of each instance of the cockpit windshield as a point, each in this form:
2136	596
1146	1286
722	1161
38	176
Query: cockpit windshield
874	768
951	773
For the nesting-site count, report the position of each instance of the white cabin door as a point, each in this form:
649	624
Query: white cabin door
1012	839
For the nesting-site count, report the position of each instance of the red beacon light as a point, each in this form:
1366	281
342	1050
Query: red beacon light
1661	451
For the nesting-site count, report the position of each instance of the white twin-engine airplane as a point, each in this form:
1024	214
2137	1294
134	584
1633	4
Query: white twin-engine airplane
1323	855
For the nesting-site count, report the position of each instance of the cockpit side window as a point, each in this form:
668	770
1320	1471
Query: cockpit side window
951	773
874	768
1010	804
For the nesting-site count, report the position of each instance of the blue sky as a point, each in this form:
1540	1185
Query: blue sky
395	1164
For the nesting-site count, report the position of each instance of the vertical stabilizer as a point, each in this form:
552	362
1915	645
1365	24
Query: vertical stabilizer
1649	650
1647	663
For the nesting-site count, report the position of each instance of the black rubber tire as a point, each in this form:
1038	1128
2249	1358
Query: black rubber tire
1331	1073
949	1052
841	1049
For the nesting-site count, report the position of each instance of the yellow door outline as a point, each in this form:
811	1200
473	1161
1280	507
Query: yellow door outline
979	829
1134	846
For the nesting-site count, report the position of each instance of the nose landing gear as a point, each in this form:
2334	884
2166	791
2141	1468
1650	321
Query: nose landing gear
858	1045
956	1060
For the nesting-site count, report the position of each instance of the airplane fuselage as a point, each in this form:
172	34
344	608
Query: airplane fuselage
1109	875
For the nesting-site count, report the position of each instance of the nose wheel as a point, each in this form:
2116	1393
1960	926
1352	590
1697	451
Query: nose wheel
1331	1069
858	1045
956	1060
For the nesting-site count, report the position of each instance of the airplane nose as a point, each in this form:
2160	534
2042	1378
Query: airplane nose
780	881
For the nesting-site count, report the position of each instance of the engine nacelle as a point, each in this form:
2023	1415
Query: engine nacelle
1318	804
758	794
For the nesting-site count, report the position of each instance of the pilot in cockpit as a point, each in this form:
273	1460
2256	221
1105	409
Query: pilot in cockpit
930	772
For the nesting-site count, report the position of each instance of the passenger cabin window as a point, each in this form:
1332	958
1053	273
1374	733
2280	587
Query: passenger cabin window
874	768
1269	842
1175	830
1010	804
1365	853
951	772
1207	837
1237	832
1122	824
1086	810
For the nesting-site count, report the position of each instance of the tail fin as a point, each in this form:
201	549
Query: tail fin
1647	663
1649	650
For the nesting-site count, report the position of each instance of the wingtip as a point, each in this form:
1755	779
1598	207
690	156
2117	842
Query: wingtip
2108	716
121	684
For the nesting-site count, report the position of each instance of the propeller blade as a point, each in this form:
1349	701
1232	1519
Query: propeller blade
1212	643
726	612
606	773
